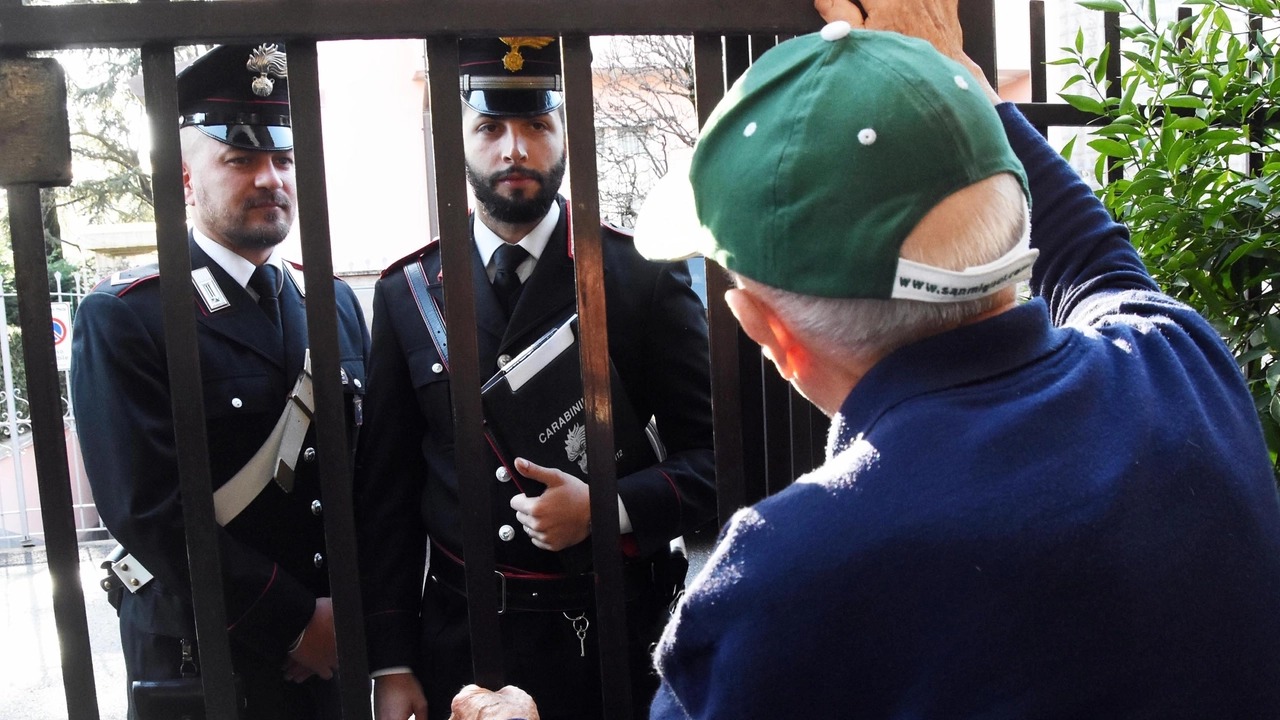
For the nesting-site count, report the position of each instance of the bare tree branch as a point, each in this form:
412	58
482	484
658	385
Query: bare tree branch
644	108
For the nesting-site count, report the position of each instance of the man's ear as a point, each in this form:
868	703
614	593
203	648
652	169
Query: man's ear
188	192
762	325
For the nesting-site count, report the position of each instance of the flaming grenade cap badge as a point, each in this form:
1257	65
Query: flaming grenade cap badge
266	60
513	60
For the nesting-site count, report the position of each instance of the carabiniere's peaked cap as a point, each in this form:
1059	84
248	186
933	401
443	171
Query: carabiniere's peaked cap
824	156
239	95
510	76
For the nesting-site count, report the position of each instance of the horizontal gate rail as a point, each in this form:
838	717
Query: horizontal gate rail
187	23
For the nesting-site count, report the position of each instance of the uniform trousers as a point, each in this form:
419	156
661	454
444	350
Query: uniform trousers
149	656
541	654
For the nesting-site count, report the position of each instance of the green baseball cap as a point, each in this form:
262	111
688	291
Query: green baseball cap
820	161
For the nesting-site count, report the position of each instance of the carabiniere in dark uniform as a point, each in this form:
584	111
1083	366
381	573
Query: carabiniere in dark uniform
407	488
273	550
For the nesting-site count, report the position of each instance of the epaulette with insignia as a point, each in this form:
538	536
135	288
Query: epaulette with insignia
410	257
122	282
294	269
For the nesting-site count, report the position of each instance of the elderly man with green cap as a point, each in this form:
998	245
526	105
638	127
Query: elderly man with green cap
1061	508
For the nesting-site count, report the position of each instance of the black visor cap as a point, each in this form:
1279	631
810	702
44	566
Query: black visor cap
251	137
513	102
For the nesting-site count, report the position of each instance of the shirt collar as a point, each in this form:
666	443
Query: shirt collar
968	354
236	266
488	242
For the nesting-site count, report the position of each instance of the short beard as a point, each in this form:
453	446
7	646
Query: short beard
517	210
242	236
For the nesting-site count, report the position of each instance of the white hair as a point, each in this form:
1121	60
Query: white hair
973	226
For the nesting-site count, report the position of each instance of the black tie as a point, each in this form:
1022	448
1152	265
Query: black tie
506	283
266	282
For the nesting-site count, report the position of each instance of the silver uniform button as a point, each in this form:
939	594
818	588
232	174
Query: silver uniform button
316	507
502	474
437	368
237	402
503	360
506	533
356	381
319	560
309	455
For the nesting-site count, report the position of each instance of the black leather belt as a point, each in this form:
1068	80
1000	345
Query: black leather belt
555	593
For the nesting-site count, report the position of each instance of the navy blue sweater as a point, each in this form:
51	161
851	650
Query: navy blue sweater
1064	511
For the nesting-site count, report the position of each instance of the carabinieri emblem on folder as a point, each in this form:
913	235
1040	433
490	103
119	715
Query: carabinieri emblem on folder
575	446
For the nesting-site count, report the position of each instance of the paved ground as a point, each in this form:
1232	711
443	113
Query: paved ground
30	671
30	665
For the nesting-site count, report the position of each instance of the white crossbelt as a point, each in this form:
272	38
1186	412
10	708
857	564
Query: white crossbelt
276	460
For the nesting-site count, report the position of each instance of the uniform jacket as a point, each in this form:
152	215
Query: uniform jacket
406	483
273	552
1064	511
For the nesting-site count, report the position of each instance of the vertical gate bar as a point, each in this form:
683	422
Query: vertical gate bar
464	361
726	399
819	423
185	385
754	482
801	459
777	428
588	264
44	397
15	439
760	44
1111	31
11	422
978	20
1250	266
1184	12
429	157
1039	54
740	53
1255	136
332	443
737	56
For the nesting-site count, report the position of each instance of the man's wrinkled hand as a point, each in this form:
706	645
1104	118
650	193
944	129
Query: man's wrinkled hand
476	703
561	516
318	651
937	21
398	696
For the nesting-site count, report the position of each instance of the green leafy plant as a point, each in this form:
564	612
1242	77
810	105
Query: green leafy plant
1192	127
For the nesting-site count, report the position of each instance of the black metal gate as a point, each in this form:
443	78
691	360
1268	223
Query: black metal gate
765	434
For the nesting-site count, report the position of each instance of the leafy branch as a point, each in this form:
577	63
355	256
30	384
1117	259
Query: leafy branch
1192	130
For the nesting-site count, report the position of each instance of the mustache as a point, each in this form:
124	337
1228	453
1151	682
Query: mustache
517	172
267	199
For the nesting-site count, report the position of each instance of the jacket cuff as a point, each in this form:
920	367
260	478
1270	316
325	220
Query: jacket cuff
655	508
393	638
274	619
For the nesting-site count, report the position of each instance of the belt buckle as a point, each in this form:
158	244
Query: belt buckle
502	590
